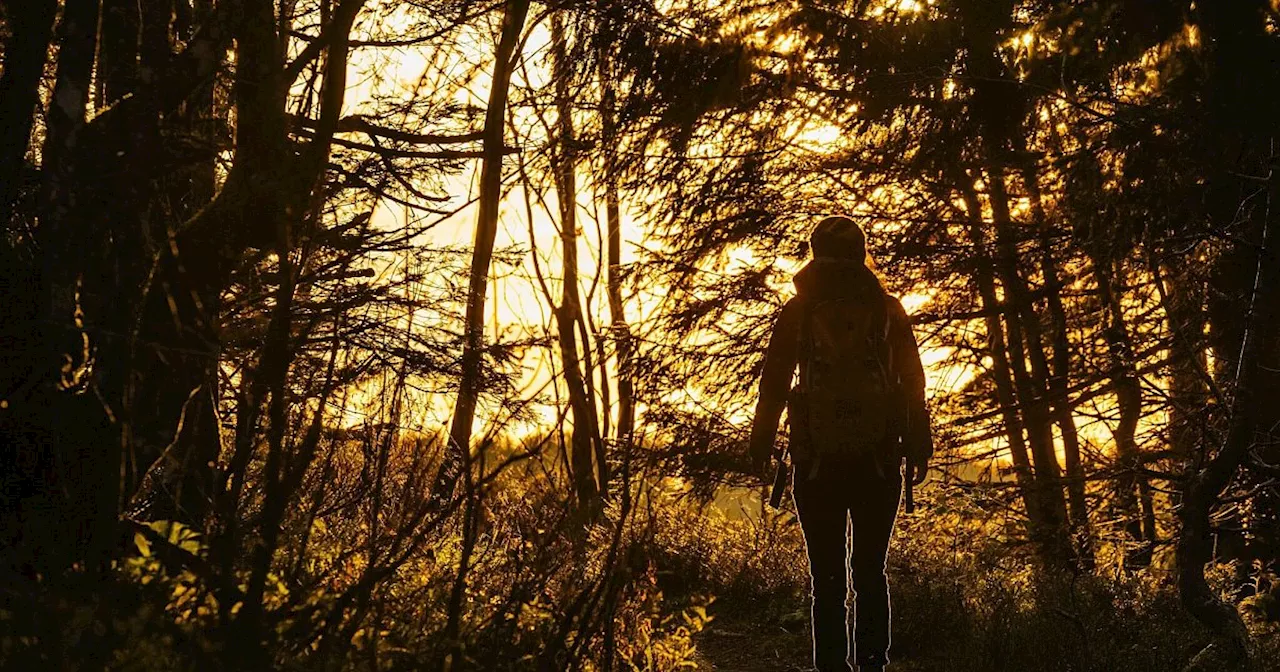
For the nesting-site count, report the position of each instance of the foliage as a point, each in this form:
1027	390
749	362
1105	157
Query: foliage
237	304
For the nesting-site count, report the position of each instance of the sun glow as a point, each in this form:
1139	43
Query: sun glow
521	295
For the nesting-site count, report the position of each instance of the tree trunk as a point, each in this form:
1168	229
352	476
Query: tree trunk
85	448
585	441
620	329
30	31
1059	381
1205	485
1182	298
1025	342
198	117
296	180
23	446
999	107
1133	491
992	308
464	409
192	188
117	52
77	40
1241	116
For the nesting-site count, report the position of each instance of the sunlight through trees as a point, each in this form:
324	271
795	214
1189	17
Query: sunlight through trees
357	334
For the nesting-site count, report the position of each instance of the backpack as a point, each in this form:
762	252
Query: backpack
849	403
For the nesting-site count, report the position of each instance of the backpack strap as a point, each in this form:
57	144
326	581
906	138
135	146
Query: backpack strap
805	351
804	357
882	348
884	335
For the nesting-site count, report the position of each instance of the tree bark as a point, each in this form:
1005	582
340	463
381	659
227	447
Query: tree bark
1059	380
118	51
1025	342
23	357
992	308
189	189
620	328
999	108
30	31
297	181
1133	491
1240	116
1182	298
1205	485
590	475
469	383
87	454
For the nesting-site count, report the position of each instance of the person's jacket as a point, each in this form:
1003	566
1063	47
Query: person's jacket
823	279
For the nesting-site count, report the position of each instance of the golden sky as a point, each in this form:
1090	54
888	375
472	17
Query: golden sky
515	301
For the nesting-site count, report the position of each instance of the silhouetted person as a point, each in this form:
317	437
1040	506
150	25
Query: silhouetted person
857	411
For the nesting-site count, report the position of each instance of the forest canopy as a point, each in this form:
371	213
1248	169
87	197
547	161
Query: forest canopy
426	334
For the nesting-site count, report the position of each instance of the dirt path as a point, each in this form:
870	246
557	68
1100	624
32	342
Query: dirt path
733	644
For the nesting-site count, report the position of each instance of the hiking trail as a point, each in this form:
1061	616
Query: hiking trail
738	642
731	643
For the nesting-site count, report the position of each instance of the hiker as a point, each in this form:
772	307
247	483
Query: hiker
857	412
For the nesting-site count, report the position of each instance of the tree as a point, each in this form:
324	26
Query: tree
469	386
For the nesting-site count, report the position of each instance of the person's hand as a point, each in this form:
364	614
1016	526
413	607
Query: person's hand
917	471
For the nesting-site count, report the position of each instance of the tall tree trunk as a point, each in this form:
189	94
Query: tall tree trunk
117	51
30	30
23	448
464	409
81	440
297	181
1182	298
1240	116
198	442
621	330
77	40
992	308
1133	490
197	119
585	441
1205	485
258	180
999	107
1059	381
1025	343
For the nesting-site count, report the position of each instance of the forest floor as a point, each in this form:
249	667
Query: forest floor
736	644
738	640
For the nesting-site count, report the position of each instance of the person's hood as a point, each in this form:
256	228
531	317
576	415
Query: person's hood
830	278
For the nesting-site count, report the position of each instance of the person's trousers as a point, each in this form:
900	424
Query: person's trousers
866	500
